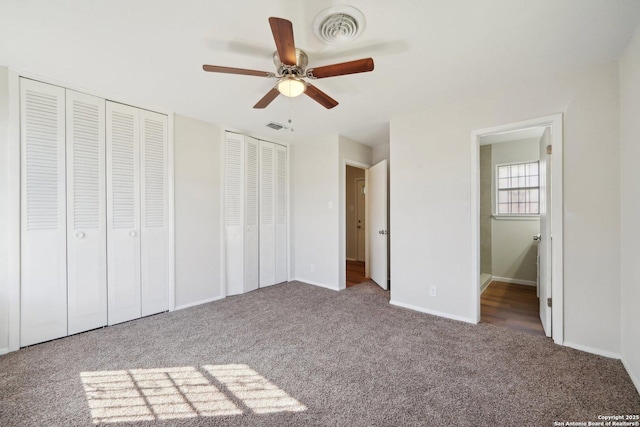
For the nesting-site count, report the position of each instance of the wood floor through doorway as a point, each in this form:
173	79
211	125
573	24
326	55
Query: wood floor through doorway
513	306
355	273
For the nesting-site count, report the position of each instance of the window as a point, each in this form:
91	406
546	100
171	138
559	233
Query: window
518	189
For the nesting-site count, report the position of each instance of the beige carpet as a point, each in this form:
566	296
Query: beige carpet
298	355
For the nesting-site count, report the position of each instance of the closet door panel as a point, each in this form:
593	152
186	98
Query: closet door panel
43	268
123	212
234	217
251	215
281	203
267	214
86	212
155	213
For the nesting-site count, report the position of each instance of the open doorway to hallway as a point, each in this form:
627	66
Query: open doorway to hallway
520	189
356	225
509	220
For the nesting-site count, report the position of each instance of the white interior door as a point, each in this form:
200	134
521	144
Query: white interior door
361	223
154	230
282	183
267	215
86	212
251	216
43	261
378	223
123	212
544	245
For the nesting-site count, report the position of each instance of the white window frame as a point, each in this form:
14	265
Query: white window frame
496	192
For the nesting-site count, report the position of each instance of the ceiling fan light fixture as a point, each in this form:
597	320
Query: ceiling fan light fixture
291	86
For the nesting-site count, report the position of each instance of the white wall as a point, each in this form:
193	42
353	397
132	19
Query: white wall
430	200
198	230
514	252
630	205
315	211
4	210
380	153
318	175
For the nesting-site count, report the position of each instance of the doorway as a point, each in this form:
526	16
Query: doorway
374	226
510	199
509	225
356	225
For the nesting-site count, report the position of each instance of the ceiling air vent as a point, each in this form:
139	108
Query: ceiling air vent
275	126
338	24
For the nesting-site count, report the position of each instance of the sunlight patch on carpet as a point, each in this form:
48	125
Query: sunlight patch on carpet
254	390
181	392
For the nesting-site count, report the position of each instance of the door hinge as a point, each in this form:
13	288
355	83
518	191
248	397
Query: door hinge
549	149
548	302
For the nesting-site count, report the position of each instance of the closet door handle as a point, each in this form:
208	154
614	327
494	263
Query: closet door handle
79	234
132	233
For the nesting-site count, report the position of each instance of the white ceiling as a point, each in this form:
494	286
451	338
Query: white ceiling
426	52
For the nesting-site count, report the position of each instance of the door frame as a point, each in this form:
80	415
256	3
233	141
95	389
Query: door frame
342	219
557	215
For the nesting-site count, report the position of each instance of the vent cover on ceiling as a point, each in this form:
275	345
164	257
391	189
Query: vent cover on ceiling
338	24
275	126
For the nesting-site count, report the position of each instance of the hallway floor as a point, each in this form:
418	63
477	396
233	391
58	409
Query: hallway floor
512	306
355	273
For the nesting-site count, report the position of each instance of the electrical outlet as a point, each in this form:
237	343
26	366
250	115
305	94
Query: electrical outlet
432	291
312	267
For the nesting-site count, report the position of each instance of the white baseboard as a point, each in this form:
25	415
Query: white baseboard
485	284
592	350
433	312
514	281
311	282
6	350
635	380
204	301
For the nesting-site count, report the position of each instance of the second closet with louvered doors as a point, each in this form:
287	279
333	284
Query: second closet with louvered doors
94	212
256	196
137	213
273	213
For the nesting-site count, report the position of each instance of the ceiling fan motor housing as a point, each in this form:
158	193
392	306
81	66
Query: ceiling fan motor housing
287	70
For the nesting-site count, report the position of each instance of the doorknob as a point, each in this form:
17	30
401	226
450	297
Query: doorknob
79	234
536	238
132	233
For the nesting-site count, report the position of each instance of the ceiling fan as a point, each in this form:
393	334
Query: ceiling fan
290	69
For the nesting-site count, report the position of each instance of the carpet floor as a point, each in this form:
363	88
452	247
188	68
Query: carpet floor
298	355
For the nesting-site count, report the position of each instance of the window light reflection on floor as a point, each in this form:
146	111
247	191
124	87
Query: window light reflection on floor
181	392
255	391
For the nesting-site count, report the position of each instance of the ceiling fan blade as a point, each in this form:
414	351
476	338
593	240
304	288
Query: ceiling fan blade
320	97
230	70
282	30
351	67
266	100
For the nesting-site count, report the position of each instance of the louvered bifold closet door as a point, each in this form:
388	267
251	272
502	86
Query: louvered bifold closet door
155	213
234	216
43	262
251	215
281	204
267	214
123	212
86	213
